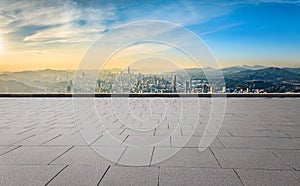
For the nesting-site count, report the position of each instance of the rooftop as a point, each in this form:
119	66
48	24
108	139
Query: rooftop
149	141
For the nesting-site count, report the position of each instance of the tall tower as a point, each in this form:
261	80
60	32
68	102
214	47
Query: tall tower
191	84
174	83
210	89
128	71
187	86
129	75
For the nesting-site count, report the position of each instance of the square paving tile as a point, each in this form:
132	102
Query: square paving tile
186	157
249	159
9	139
33	155
194	141
296	174
195	176
142	141
4	149
267	177
79	175
259	142
291	157
257	133
69	140
131	176
81	155
38	139
28	174
136	156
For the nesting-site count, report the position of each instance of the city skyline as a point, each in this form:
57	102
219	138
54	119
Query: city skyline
238	79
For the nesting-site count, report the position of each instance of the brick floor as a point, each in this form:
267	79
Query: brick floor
149	141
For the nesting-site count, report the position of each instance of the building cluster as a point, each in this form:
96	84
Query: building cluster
130	82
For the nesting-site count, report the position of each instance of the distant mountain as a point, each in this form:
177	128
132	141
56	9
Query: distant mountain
255	67
235	69
47	80
28	76
270	73
294	70
12	86
271	79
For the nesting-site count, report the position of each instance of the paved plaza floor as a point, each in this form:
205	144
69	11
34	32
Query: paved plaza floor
150	141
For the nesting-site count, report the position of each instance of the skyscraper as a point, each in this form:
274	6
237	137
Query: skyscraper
128	71
129	75
187	86
174	83
191	85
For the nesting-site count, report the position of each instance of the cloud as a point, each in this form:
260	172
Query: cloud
64	33
46	22
256	2
43	22
46	13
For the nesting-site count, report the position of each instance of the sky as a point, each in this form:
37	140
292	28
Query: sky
56	34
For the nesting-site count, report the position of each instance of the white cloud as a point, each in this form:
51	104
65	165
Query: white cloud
59	20
64	33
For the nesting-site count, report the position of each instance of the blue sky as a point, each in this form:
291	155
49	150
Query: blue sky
249	32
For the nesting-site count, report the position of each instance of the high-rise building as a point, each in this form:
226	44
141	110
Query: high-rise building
187	86
224	90
129	75
174	83
191	84
128	70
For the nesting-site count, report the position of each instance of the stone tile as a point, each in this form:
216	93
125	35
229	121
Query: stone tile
63	131
249	159
28	174
76	140
195	176
37	139
32	155
112	154
195	142
292	133
167	132
81	155
131	176
107	140
14	130
136	156
186	157
142	141
296	174
4	149
291	157
267	177
284	127
138	132
9	139
259	142
257	133
223	133
79	175
241	124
